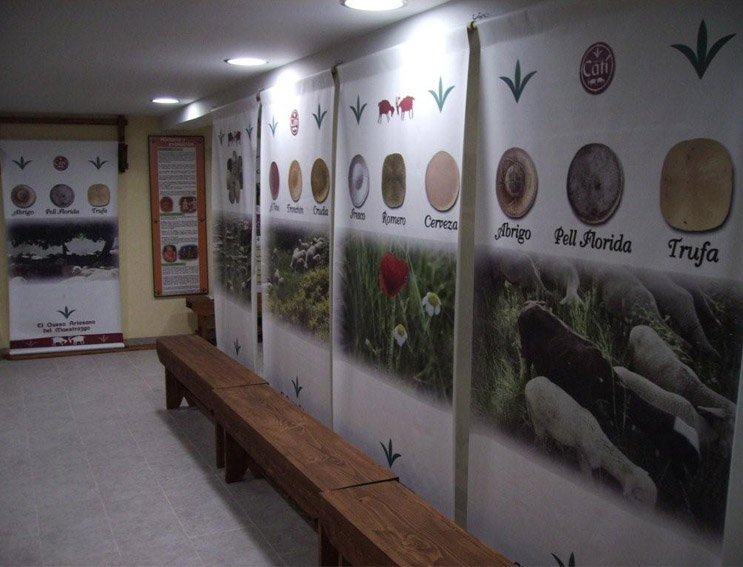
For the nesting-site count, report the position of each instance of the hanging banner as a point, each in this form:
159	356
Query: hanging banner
399	159
178	208
61	219
608	328
233	197
296	162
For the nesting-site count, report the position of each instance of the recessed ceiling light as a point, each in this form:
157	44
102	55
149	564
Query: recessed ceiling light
374	5
246	61
165	100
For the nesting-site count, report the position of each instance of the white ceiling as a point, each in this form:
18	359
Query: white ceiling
113	56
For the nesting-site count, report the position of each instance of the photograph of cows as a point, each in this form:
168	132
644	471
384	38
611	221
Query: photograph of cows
232	255
396	310
297	279
62	250
628	376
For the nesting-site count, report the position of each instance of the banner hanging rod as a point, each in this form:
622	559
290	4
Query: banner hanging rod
119	121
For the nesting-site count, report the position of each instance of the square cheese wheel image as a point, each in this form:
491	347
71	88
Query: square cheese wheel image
696	185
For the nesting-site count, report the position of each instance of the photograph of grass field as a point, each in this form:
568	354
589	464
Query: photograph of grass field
232	255
396	310
298	277
634	318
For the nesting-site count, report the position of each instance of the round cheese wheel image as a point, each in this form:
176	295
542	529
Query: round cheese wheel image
595	183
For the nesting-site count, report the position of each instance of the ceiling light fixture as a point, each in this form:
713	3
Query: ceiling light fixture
165	100
246	61
374	5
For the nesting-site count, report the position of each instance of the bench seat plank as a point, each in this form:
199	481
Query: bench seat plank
302	455
387	524
201	367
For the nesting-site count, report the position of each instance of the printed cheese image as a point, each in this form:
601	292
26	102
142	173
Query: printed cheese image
696	185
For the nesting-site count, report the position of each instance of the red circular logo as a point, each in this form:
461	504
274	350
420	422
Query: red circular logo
294	122
597	68
61	163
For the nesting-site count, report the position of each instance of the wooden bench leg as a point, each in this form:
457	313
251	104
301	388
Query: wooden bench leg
173	391
219	443
328	554
235	460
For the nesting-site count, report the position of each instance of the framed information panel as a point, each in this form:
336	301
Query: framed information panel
178	205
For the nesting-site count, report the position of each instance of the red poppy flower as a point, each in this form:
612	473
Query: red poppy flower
393	274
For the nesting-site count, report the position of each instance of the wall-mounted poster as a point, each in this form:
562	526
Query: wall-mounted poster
233	236
608	324
296	194
178	204
398	179
61	218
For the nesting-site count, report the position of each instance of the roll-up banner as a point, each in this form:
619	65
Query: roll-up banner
296	166
61	221
233	197
608	324
398	177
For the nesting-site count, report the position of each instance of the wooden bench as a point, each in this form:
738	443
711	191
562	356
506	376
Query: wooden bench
194	370
203	306
387	524
266	432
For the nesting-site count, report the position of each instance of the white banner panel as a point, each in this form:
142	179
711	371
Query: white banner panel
233	201
61	216
296	166
608	328
398	177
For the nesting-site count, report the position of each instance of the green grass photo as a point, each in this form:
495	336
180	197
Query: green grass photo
396	310
297	288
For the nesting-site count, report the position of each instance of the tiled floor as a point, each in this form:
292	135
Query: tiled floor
95	471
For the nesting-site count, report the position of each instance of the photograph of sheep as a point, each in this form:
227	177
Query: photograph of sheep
626	376
232	255
297	277
396	310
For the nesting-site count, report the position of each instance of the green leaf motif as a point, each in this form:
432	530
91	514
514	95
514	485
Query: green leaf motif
297	387
517	85
320	116
237	346
440	97
98	163
571	561
273	126
358	110
22	163
702	58
391	457
249	130
220	136
67	312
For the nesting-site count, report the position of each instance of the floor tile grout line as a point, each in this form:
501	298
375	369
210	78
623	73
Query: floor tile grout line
33	481
95	480
162	489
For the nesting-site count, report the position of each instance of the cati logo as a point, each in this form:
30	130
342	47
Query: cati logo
597	68
294	122
60	163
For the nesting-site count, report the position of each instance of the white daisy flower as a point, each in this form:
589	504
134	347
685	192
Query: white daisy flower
431	303
400	334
